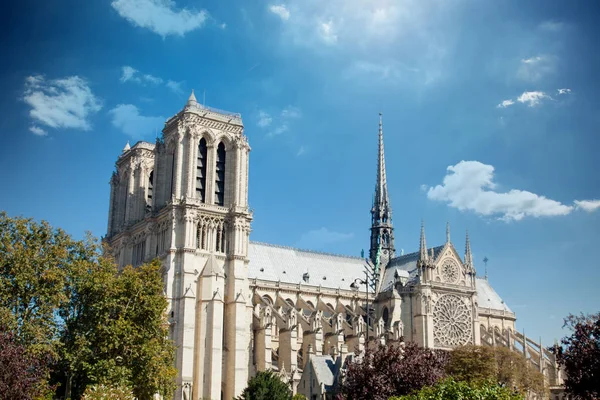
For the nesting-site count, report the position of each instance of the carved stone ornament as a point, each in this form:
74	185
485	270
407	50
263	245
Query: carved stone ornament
186	391
452	321
449	271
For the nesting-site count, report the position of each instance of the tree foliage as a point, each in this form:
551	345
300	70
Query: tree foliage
497	364
472	363
516	372
65	299
103	392
266	385
450	389
22	375
116	332
392	371
579	355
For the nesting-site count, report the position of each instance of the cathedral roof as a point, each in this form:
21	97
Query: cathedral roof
290	265
405	265
325	369
487	296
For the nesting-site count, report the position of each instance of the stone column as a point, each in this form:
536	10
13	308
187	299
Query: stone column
288	351
262	340
208	338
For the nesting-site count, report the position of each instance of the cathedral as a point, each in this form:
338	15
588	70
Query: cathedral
237	307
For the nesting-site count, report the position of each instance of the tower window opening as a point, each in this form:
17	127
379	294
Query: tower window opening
219	235
201	171
220	176
201	237
150	186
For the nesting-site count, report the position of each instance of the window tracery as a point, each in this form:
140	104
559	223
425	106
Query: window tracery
452	323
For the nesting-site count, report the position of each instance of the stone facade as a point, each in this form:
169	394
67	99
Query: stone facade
238	307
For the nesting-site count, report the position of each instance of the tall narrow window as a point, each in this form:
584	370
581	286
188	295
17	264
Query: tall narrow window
220	176
201	171
150	187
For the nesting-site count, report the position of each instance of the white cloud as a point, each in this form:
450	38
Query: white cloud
551	26
152	79
327	32
36	130
506	103
469	186
280	123
291	112
129	73
281	11
535	68
127	118
60	103
278	130
264	119
160	16
532	99
175	86
587	205
301	151
564	91
320	238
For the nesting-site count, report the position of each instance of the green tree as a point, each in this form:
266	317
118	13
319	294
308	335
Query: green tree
266	385
450	389
116	331
516	372
103	392
299	396
34	264
472	363
65	301
579	355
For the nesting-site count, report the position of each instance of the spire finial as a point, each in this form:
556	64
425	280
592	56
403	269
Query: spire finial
447	232
127	147
423	243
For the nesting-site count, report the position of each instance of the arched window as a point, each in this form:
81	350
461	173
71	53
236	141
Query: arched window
201	237
220	176
386	317
201	171
150	187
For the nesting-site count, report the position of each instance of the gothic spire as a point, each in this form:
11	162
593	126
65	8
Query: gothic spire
423	244
468	255
382	236
447	232
381	193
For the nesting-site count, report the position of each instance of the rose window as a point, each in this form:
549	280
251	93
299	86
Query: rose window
449	271
451	322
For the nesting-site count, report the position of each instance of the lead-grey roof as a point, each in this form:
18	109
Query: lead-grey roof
286	264
487	296
405	265
325	369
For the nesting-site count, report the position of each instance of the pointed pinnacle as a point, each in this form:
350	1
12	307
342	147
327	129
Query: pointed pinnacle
468	255
447	232
423	243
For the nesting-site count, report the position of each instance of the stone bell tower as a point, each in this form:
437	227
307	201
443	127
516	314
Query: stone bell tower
184	200
204	160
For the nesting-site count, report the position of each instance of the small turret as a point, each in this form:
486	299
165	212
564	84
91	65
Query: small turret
192	102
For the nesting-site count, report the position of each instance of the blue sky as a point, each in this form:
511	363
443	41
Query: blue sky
490	122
